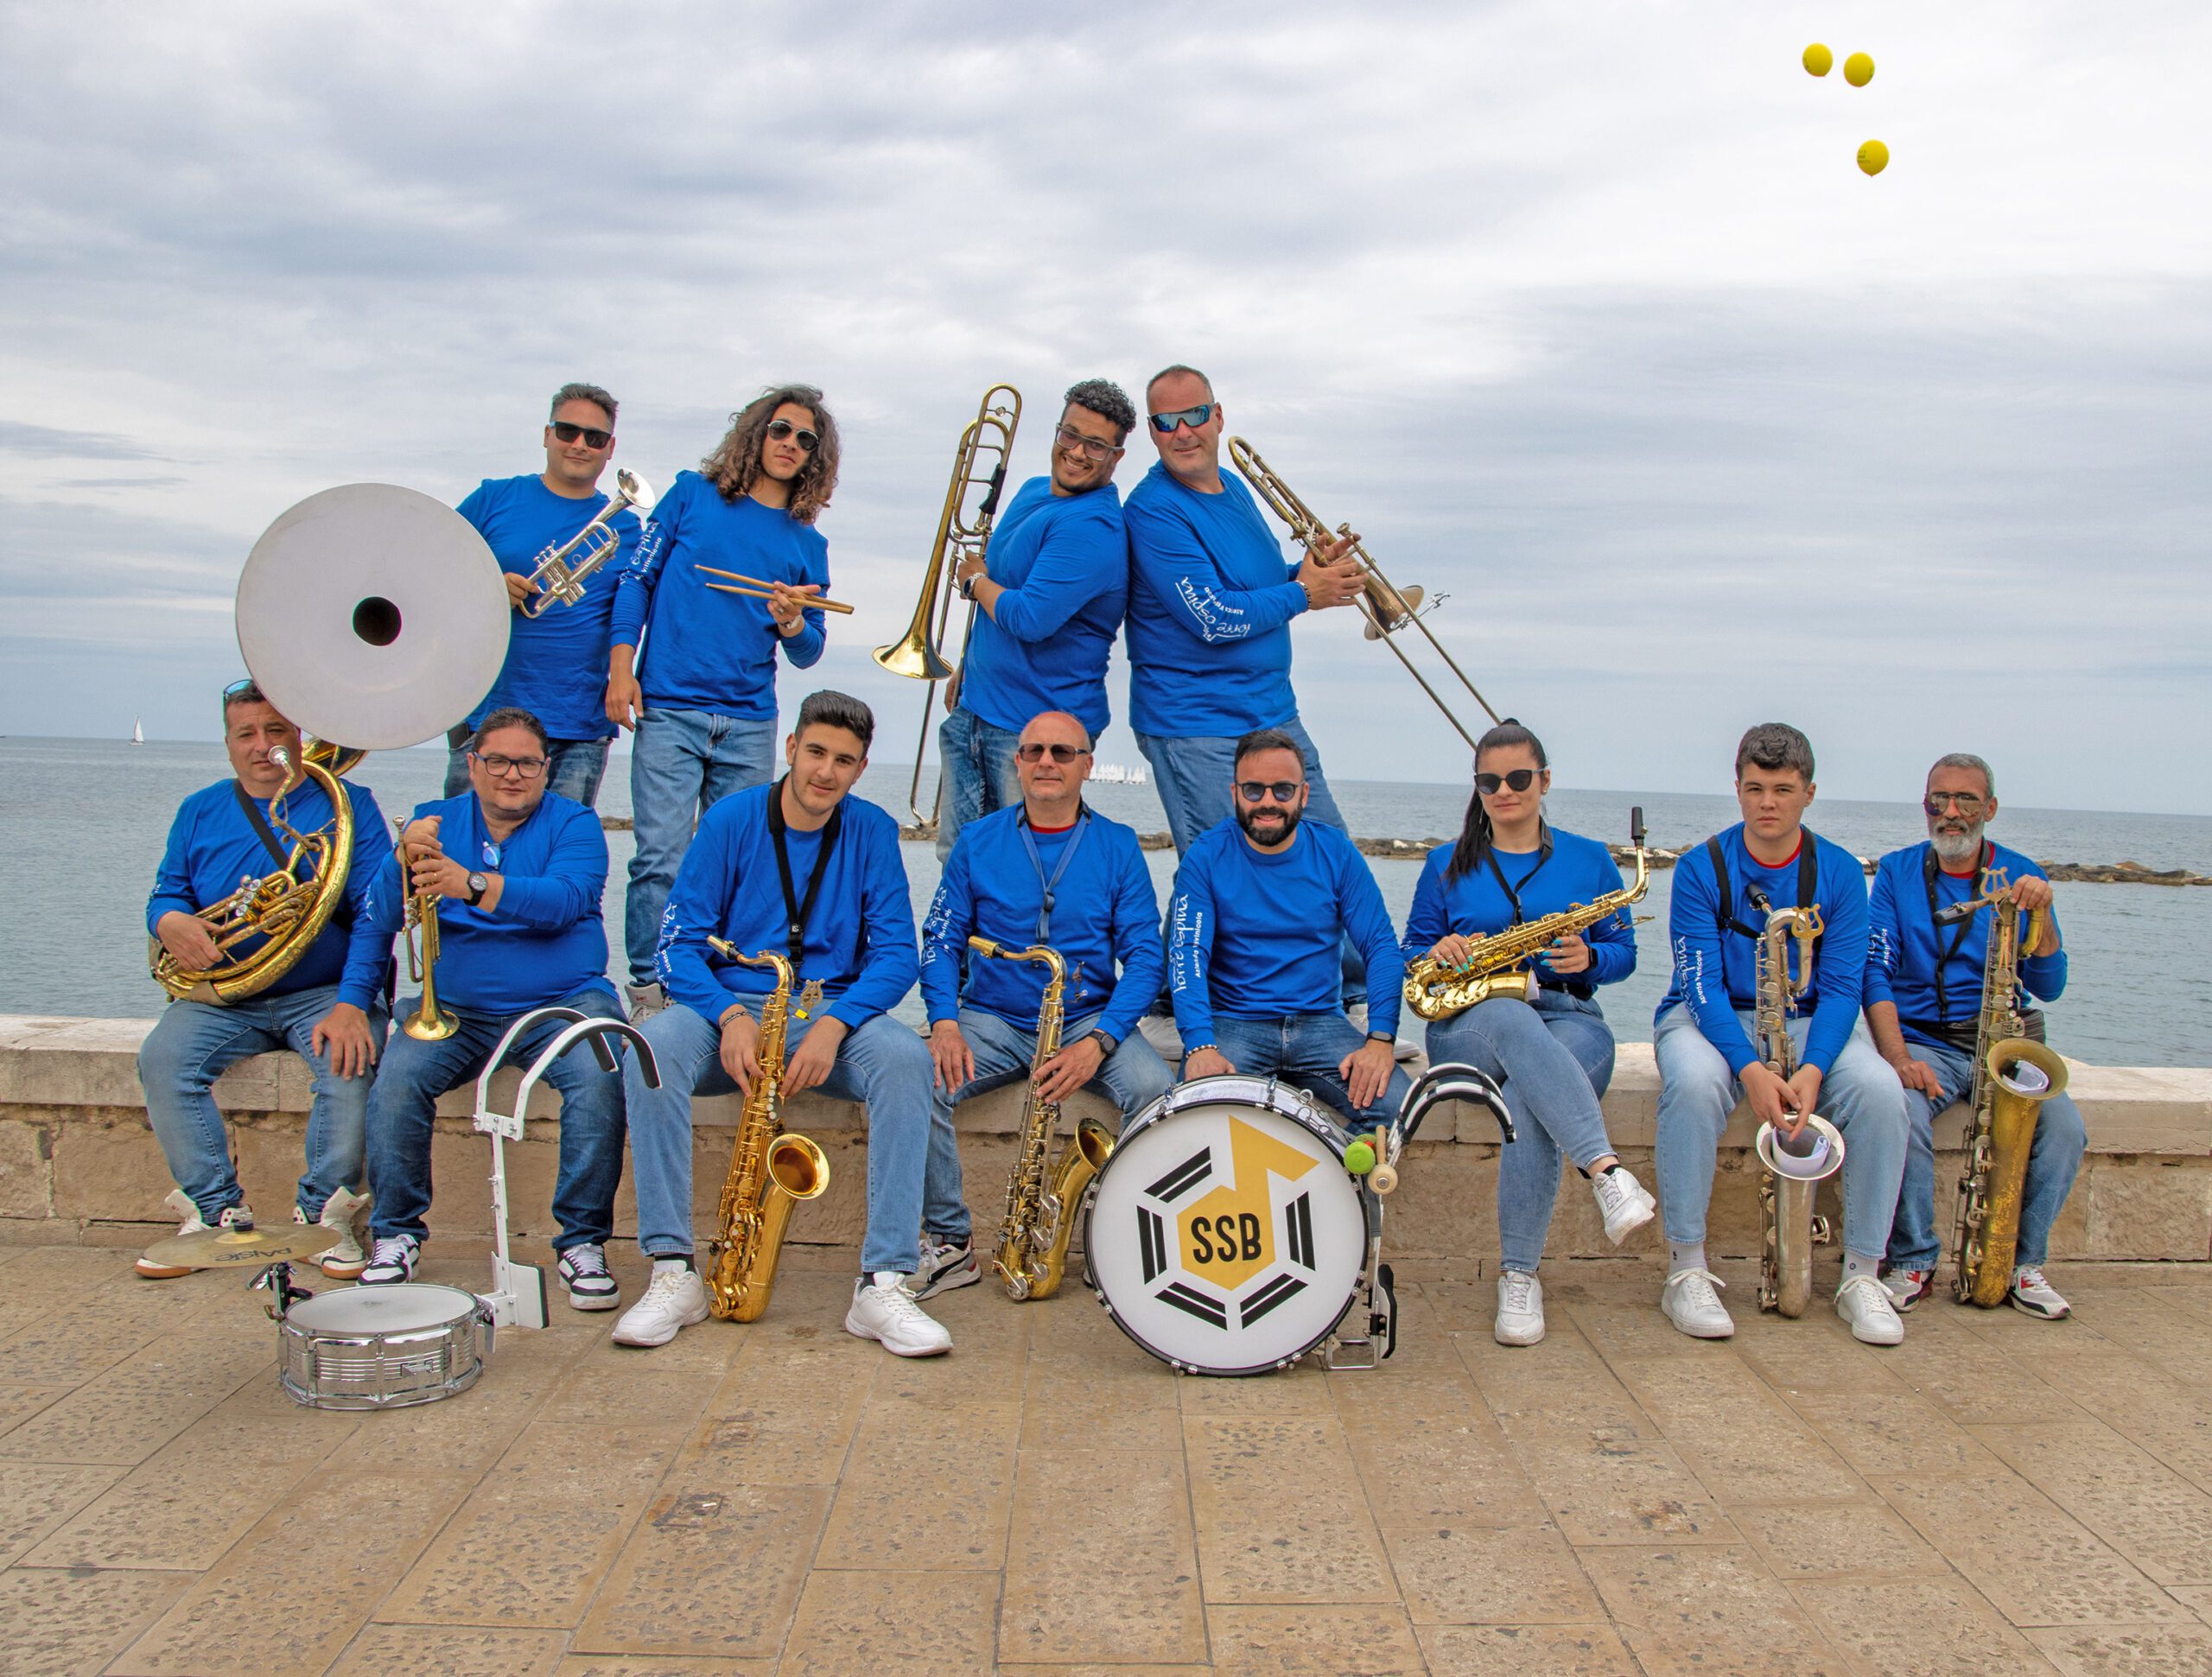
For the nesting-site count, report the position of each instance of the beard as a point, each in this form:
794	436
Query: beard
1955	848
1247	820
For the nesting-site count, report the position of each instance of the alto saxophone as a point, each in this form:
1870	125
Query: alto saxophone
1040	1206
770	1171
1788	1229
1435	991
2013	1075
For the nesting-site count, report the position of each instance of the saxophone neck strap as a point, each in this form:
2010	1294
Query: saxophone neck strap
798	910
1513	889
1809	881
1929	866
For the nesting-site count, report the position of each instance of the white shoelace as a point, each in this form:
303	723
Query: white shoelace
1520	1298
2028	1280
665	1282
898	1301
585	1260
392	1249
1876	1291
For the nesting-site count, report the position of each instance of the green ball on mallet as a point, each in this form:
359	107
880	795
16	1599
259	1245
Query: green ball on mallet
1359	1159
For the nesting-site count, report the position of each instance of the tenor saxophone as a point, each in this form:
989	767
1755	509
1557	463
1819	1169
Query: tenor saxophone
2013	1075
770	1171
1041	1204
1788	1229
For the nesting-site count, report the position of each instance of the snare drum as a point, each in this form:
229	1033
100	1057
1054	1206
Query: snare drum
1225	1236
382	1347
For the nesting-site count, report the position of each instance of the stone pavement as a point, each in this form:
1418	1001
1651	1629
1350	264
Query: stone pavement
1998	1494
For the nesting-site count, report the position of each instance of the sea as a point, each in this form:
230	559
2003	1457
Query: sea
83	823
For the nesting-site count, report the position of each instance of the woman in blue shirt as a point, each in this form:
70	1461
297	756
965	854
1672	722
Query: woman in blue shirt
1553	1054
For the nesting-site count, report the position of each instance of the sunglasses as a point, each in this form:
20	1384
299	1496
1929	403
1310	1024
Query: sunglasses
1089	448
593	437
780	429
499	767
1258	791
1194	417
1033	754
1936	802
1519	780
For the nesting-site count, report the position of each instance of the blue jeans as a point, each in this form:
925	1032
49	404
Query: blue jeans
1860	1096
884	1066
190	1046
682	763
977	760
1306	1049
404	1102
2053	1161
1553	1057
573	768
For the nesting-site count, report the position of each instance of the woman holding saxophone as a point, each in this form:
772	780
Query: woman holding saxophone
1554	1051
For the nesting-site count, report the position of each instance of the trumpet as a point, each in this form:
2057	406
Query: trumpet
1387	609
431	1022
555	578
961	535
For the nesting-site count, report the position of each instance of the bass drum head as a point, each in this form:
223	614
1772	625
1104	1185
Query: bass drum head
1225	1237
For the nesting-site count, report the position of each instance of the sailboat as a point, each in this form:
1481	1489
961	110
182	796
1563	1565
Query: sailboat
137	730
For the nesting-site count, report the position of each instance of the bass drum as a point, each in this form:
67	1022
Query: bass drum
1225	1236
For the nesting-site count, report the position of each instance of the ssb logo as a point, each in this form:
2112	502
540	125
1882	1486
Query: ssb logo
1248	1251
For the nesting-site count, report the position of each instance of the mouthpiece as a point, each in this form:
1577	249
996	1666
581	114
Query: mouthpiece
281	757
1636	826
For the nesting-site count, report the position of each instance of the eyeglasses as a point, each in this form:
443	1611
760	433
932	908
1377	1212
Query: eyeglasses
1090	448
1035	753
780	429
1258	791
499	767
593	437
1519	780
1194	417
1935	803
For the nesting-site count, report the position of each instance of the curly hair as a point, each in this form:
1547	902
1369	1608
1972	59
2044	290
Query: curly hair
734	466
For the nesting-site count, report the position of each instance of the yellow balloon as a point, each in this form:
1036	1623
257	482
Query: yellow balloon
1818	60
1858	69
1873	158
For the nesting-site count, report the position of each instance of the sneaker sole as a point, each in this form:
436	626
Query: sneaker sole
864	1333
594	1301
1728	1332
647	1344
156	1271
1505	1338
344	1272
1649	1209
2026	1309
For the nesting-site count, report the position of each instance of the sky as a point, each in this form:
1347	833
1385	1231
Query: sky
1583	316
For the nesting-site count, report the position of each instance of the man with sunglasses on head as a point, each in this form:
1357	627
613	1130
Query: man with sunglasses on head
1263	904
1923	1003
1052	590
693	665
1047	871
556	662
519	872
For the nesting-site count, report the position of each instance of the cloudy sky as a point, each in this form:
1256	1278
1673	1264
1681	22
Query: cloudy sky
1582	314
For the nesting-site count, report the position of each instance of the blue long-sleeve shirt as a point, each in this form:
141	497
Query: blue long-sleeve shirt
213	849
705	649
1063	562
1714	967
1257	936
1104	912
557	662
859	941
1905	944
1210	601
1577	870
544	940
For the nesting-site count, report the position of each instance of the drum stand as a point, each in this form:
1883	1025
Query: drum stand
1375	1303
517	1294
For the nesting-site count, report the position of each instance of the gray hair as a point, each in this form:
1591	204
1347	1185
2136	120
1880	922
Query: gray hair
511	715
1268	739
1967	759
1774	745
829	708
591	393
1169	373
1108	401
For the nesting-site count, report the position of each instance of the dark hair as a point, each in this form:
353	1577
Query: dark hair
829	708
1775	746
1169	373
1268	739
510	716
1475	834
734	466
237	693
591	393
1108	401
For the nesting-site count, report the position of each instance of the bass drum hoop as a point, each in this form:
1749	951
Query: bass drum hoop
434	1356
1268	1094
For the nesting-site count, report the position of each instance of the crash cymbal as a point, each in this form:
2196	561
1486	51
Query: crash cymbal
223	1248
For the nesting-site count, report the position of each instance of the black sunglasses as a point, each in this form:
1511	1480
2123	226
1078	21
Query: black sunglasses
1258	791
498	767
1194	417
1519	780
1033	754
593	437
780	429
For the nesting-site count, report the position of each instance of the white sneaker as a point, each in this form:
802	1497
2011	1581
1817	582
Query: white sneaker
1625	1203
2033	1295
394	1261
1520	1310
239	1217
944	1266
645	1001
1692	1304
1864	1303
884	1310
675	1299
584	1272
346	1261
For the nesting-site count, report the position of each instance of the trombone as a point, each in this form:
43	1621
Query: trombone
960	534
1386	607
555	578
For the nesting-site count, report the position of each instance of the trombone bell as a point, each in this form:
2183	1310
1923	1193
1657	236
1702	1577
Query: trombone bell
912	656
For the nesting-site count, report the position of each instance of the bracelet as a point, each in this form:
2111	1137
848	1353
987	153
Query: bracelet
735	1007
1382	1036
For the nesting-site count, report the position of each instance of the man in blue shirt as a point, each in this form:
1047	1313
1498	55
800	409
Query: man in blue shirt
519	873
328	1008
804	870
1050	871
1702	1039
557	662
1263	903
1051	589
1923	1001
702	700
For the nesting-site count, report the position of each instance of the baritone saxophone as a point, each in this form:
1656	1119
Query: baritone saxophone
1791	1172
770	1171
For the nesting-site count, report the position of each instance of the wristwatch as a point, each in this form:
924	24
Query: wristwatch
966	585
1106	1044
478	884
1382	1035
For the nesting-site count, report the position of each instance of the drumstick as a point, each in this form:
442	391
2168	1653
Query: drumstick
760	590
